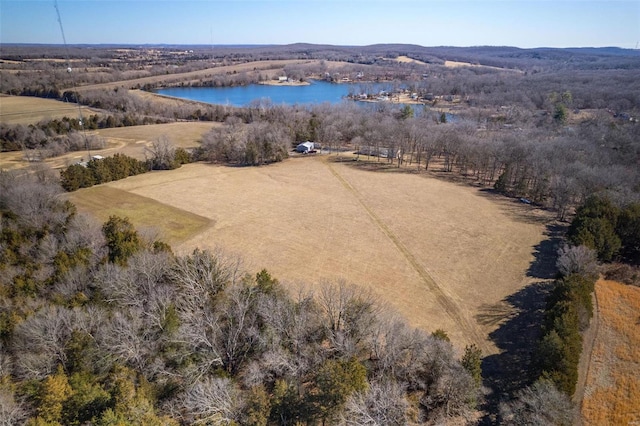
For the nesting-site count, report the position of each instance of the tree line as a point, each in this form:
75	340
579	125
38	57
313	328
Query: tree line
600	231
52	138
252	144
161	156
612	231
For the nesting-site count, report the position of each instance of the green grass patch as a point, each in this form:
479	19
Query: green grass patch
174	225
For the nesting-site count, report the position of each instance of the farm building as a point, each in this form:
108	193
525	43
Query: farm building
305	147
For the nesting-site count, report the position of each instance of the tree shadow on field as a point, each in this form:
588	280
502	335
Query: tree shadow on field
516	209
545	252
521	316
373	165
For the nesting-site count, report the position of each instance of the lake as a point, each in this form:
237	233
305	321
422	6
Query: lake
241	96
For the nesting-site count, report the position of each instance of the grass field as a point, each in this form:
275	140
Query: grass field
136	138
406	59
172	225
455	64
435	251
612	390
132	141
30	110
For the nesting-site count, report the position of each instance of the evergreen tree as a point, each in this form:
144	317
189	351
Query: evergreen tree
594	226
472	362
122	239
335	382
628	229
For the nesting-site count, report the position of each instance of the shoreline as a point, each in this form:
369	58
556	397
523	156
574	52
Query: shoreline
284	83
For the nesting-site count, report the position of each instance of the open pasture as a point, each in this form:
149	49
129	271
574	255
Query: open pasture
436	252
27	110
408	60
132	141
171	225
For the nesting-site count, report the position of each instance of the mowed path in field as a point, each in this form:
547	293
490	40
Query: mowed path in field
434	251
442	297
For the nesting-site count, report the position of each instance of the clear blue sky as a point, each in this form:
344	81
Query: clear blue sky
521	23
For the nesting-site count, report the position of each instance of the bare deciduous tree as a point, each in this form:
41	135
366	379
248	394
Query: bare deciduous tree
12	411
201	277
537	405
238	334
383	404
577	260
349	314
161	154
211	401
40	341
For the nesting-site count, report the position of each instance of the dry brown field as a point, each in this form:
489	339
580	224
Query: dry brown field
612	389
132	141
456	64
437	252
406	59
169	224
169	101
31	110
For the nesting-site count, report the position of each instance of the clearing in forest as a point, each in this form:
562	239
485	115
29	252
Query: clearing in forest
27	110
406	59
436	252
612	389
456	64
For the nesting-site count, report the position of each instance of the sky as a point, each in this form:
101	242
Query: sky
519	23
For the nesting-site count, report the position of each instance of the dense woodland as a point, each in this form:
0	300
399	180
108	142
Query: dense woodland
102	325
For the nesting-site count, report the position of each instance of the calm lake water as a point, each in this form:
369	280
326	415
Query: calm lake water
240	96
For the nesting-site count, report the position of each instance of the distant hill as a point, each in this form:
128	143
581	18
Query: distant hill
496	56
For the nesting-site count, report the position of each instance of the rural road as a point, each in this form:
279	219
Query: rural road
446	302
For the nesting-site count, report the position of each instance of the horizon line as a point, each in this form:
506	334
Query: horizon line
249	45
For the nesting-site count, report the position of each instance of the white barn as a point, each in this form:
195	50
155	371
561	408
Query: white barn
305	147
